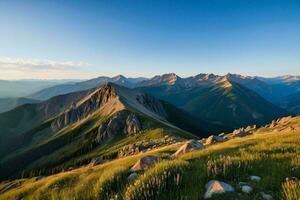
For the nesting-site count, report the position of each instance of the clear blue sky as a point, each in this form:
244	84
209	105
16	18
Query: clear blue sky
144	38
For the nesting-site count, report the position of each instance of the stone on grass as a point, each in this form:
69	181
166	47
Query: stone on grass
247	189
217	187
255	178
214	139
266	196
132	176
96	161
144	163
189	146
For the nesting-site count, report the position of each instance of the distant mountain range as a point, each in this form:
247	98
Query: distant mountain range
242	99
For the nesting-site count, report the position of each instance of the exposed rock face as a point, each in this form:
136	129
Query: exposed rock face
120	123
145	163
109	129
151	103
133	125
188	147
85	107
216	187
214	139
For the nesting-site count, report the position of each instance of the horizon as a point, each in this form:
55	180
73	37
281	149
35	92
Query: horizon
76	39
149	77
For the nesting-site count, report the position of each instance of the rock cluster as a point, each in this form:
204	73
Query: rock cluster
142	146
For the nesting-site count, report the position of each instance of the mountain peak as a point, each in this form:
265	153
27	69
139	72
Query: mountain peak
225	82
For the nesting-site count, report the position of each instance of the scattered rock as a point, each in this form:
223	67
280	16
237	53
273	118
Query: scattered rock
142	146
247	189
239	133
96	161
217	187
255	178
266	196
214	139
188	147
145	163
132	176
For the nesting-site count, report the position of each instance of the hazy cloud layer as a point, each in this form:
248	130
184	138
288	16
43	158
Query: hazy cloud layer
35	64
14	68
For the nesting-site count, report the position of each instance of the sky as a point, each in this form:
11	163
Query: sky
73	39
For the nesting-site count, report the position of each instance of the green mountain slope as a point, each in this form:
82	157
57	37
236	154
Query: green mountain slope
100	123
219	100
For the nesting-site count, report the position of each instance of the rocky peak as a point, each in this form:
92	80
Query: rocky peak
86	106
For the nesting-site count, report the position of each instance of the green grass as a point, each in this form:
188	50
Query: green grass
272	156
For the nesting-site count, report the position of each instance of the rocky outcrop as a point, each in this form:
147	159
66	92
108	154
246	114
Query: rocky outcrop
122	122
217	187
144	163
133	125
85	107
109	129
188	147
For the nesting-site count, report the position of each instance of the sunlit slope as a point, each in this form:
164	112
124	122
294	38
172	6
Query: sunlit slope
268	153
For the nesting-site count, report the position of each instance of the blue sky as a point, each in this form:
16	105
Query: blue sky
84	39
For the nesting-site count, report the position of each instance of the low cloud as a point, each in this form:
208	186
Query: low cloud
35	64
15	68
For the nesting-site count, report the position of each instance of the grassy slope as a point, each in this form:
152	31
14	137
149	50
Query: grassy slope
270	155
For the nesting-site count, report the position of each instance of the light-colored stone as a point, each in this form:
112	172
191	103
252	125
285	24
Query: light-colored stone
144	163
217	187
247	189
214	139
255	178
189	146
266	196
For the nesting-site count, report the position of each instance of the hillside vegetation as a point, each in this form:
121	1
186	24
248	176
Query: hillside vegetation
271	153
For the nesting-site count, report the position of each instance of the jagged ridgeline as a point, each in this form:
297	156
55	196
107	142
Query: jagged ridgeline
69	130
